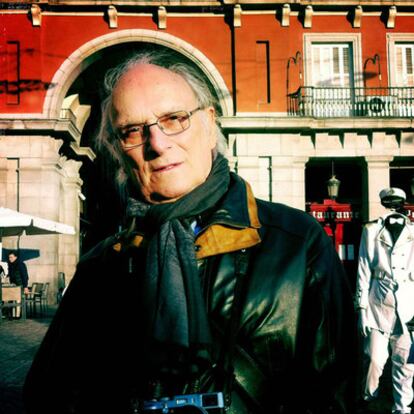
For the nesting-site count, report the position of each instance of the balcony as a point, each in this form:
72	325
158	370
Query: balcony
327	102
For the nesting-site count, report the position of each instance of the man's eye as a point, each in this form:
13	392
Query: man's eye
177	117
173	120
131	132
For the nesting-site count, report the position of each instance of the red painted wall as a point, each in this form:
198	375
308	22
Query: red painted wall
43	49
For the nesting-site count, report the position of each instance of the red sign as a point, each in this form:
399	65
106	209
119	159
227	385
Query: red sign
342	225
330	210
410	209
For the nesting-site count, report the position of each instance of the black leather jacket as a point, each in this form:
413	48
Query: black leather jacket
296	320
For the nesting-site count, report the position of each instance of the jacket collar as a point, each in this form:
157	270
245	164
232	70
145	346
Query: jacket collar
406	236
232	226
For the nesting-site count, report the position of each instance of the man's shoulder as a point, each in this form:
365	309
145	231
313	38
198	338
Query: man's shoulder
101	248
374	225
286	218
22	263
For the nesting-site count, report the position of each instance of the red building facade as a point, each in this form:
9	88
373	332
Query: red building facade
304	88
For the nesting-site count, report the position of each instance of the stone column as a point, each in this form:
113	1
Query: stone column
69	214
40	176
288	180
248	168
378	178
3	182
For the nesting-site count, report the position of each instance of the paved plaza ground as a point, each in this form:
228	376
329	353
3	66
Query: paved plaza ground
19	341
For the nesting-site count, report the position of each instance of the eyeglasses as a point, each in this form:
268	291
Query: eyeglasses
170	124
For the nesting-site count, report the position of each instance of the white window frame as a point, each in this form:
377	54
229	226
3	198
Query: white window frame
352	38
392	39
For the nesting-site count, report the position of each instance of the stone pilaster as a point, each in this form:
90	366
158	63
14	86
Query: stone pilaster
69	214
288	180
378	178
4	183
248	168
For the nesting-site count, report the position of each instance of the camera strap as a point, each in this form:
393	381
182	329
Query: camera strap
226	360
239	371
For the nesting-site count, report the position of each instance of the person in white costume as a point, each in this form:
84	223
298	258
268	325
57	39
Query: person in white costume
385	299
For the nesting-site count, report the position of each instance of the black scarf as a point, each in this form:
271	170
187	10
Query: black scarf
174	305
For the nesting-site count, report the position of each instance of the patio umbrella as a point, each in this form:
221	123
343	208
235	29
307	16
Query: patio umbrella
14	223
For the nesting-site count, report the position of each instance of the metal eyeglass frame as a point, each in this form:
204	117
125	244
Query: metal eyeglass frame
145	128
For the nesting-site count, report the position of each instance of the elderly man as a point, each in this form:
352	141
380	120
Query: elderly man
384	295
227	301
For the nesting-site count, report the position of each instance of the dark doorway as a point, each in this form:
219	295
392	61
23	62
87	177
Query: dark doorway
340	217
347	170
401	174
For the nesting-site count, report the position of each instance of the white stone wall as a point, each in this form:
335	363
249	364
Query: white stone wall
289	153
45	185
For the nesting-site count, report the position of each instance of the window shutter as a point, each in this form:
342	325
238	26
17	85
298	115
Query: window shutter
409	59
331	64
404	60
316	63
336	60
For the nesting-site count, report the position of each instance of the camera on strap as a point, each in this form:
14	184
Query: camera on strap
203	403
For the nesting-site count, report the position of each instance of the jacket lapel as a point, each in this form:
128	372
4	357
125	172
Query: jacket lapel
235	227
384	237
406	236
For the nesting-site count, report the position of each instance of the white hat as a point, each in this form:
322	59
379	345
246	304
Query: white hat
392	192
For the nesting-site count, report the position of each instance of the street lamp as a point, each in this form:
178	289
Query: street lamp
333	187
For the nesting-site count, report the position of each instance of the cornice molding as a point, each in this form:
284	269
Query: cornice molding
63	129
40	126
279	122
241	122
320	4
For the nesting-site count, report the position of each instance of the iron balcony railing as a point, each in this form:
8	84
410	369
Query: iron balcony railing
326	102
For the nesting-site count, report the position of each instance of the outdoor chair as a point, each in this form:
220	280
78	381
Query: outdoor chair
42	299
61	284
34	297
12	299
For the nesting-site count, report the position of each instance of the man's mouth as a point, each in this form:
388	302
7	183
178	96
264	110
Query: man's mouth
165	168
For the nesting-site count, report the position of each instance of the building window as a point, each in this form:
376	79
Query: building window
404	63
332	64
333	71
401	59
333	59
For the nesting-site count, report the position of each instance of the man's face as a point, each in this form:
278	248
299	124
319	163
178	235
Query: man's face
12	258
165	167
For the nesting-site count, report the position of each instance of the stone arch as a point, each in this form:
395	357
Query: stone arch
77	62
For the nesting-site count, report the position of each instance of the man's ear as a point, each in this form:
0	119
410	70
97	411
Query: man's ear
211	116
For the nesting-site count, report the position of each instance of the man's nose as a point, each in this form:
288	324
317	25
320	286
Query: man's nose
157	140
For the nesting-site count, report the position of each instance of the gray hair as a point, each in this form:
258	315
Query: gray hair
110	147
